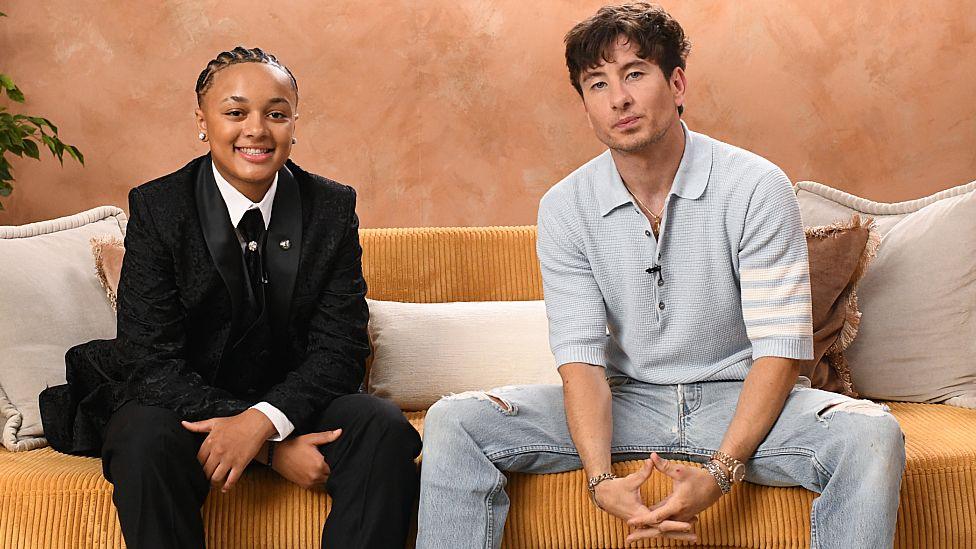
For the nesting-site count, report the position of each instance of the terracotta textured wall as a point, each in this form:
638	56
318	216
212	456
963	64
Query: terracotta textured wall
460	113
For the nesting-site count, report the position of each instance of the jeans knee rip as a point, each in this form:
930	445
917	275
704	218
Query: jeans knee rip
504	406
863	407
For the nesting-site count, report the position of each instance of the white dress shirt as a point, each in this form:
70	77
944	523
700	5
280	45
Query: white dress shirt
237	205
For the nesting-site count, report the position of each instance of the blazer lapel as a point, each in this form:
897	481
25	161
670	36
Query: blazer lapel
283	248
221	240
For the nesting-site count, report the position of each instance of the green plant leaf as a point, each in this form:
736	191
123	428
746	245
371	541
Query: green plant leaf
75	153
13	92
16	95
16	134
30	149
41	122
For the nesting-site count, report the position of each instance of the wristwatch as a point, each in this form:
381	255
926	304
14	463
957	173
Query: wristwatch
737	469
593	482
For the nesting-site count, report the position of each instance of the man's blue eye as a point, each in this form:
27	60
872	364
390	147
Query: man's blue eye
599	85
634	75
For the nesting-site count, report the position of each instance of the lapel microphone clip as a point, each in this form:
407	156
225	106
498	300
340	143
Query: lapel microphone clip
656	270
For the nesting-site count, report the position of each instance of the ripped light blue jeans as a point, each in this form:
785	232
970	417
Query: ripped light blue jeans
849	451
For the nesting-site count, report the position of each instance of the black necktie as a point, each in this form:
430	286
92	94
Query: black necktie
251	228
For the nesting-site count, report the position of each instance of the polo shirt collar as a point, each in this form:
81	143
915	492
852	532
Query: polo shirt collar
689	181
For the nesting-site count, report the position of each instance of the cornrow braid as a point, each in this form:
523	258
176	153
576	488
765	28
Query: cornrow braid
237	55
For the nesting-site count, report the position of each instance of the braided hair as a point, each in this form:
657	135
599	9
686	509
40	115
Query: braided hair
237	55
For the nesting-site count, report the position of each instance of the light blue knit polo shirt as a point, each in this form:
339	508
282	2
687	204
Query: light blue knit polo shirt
733	284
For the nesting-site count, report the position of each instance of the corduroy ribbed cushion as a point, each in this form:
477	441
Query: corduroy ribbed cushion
436	265
53	500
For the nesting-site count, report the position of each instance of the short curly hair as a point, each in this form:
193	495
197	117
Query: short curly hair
658	36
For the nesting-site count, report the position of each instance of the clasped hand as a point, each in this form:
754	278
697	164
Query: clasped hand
232	442
693	490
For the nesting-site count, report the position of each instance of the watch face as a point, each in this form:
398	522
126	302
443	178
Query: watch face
739	473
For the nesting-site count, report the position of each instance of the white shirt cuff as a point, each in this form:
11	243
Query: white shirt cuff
280	421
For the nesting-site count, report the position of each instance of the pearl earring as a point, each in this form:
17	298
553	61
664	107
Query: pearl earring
202	136
294	140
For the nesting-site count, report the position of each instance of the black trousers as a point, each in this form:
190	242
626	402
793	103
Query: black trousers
159	487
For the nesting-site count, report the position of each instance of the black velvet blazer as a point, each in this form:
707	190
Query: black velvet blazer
182	298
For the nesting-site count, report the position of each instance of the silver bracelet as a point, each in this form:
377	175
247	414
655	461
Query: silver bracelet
593	482
720	477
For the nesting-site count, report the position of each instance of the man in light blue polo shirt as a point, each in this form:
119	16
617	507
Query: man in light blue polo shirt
677	286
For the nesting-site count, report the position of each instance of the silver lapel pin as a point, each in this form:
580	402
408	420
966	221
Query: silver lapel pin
285	244
252	245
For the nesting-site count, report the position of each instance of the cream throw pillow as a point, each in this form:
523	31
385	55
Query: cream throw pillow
422	351
917	338
50	300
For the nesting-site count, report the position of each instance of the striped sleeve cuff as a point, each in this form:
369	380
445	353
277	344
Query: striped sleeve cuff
587	354
798	348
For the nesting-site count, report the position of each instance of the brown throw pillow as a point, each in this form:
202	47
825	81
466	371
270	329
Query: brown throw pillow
108	252
839	255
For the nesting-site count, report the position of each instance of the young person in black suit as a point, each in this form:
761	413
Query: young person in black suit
241	336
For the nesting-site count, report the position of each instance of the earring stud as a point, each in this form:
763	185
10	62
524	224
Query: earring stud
202	136
294	140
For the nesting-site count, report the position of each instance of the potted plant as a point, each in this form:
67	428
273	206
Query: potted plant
22	135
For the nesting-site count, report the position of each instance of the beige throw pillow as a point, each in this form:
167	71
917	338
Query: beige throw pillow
50	300
423	351
917	337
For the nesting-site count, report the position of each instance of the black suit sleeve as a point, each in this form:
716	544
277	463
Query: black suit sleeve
338	344
150	345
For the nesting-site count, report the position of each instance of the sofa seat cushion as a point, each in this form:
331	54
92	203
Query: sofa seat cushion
48	499
938	498
53	500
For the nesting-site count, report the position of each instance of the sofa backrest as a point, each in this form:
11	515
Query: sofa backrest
436	265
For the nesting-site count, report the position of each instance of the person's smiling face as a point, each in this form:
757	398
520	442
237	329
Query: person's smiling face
248	114
629	103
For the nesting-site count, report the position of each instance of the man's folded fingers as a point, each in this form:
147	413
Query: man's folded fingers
643	533
674	526
646	533
682	536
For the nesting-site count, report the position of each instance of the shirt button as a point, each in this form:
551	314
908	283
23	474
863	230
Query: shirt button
660	305
660	282
647	233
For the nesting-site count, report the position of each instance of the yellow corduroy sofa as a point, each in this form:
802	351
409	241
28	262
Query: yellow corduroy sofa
53	500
